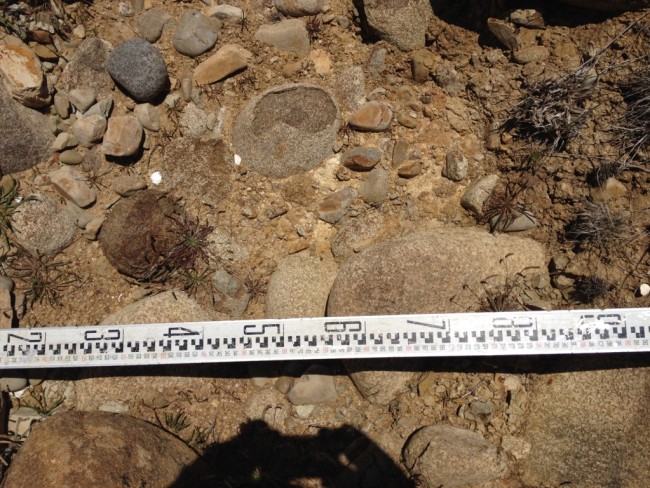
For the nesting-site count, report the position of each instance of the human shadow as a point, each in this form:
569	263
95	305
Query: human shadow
261	456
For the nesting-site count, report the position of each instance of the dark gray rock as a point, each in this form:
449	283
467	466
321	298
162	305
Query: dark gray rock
286	130
195	33
139	68
443	455
24	137
87	69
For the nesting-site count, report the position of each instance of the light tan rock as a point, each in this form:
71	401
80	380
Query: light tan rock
71	185
123	136
372	117
226	61
89	130
23	76
504	33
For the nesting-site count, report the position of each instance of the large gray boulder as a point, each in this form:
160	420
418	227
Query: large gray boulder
24	136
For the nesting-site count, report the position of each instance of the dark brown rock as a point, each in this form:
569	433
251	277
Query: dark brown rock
103	449
138	233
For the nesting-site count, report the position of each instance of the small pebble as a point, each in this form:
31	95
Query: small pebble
70	157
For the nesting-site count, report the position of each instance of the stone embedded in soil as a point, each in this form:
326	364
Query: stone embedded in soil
374	190
350	87
22	75
519	222
587	424
71	185
406	120
89	129
139	68
148	116
117	449
410	168
299	287
70	157
455	165
195	33
530	54
42	227
168	306
138	233
333	207
403	24
315	386
361	158
286	130
366	283
353	235
299	8
475	196
372	116
442	455
87	69
229	59
25	139
150	24
422	63
123	136
287	35
230	294
529	18
193	121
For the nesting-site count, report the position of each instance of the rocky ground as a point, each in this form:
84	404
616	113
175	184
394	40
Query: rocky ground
169	160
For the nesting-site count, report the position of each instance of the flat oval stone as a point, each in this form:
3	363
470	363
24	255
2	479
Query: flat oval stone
139	68
361	158
195	33
372	117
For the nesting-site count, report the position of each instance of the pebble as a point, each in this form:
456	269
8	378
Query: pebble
521	222
80	216
528	18
410	168
195	33
12	384
287	35
148	116
374	190
475	196
89	129
150	24
103	108
113	406
64	140
304	411
644	289
91	232
504	33
42	227
456	165
422	63
23	76
228	13
70	157
126	185
299	8
283	384
361	158
229	59
46	53
71	185
193	121
333	207
155	399
230	295
407	121
123	136
62	105
139	68
315	386
372	116
82	98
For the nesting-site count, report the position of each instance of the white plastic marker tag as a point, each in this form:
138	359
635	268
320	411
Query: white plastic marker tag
430	335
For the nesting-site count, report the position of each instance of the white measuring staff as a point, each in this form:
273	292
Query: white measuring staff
428	335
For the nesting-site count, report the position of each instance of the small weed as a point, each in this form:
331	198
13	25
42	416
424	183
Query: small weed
634	127
196	282
243	22
504	205
199	437
45	280
37	399
598	226
588	288
314	27
255	286
9	202
93	179
191	243
176	422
